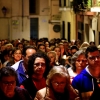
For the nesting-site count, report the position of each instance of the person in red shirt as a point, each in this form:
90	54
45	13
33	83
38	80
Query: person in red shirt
38	68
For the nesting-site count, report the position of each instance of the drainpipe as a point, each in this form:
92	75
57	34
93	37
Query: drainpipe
22	15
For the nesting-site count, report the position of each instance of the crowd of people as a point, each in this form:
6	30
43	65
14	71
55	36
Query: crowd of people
55	69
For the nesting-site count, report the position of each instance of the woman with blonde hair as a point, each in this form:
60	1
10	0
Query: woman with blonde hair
52	56
84	45
57	86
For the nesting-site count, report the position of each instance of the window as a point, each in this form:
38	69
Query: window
32	6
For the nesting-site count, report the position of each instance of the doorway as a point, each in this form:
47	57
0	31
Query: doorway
34	28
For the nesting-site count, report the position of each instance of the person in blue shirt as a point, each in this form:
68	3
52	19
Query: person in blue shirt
22	65
88	81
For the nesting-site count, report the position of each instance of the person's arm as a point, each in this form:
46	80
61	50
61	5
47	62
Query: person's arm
38	96
73	93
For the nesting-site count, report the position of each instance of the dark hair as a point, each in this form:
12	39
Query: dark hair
15	49
90	48
74	47
5	52
28	47
7	71
91	42
40	45
19	44
31	63
38	42
12	60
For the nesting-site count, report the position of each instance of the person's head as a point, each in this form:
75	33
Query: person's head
6	55
9	46
92	43
57	50
61	45
39	42
74	49
8	78
16	54
52	57
27	52
47	43
58	78
66	44
20	46
84	45
42	47
38	64
3	47
78	60
93	56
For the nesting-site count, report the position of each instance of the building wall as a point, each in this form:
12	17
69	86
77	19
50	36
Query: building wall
54	16
16	23
69	16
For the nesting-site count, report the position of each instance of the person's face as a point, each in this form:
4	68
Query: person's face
20	46
2	42
66	45
42	48
94	59
7	85
61	46
39	66
29	52
3	48
17	55
73	51
47	44
81	62
9	47
52	58
6	57
58	52
59	83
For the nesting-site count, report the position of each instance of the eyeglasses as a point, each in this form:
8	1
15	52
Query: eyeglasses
81	60
9	83
61	84
94	57
39	64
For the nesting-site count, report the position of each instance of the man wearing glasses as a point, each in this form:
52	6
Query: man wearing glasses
88	81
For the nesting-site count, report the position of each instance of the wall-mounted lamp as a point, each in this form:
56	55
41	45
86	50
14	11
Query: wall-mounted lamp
4	10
